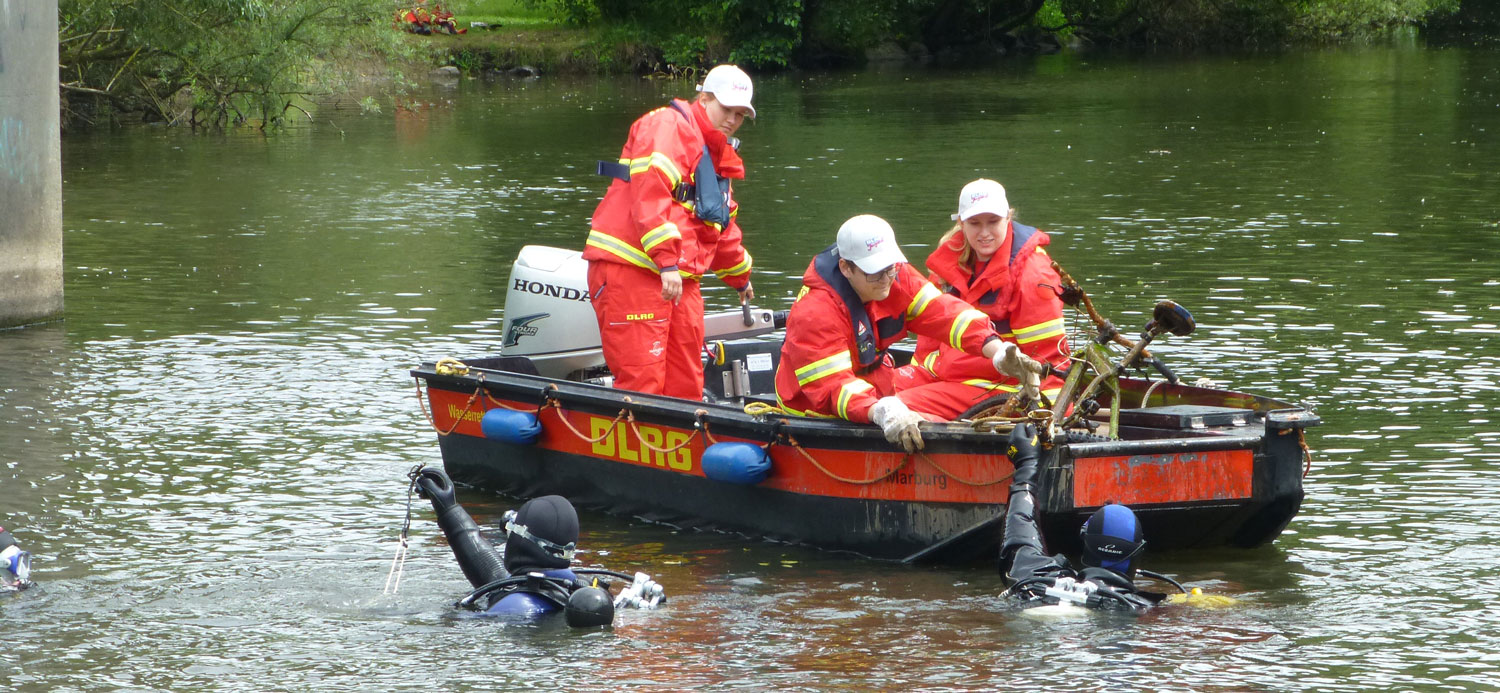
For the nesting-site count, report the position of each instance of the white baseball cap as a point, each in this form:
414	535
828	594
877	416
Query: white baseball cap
981	196
870	243
731	86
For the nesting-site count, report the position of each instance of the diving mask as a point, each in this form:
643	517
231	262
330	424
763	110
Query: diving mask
562	551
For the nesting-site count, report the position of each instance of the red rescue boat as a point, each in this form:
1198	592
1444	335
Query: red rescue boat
1201	467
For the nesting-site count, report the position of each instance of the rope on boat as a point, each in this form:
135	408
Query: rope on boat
630	417
1306	452
502	405
791	440
422	402
1149	390
994	422
702	425
450	366
607	432
960	479
759	409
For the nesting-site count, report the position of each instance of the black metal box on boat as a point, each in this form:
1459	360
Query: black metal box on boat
741	367
1185	417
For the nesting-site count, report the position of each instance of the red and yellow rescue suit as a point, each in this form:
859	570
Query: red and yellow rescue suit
1018	291
648	224
834	361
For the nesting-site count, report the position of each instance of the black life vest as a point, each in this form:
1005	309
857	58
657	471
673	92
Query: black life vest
707	191
870	355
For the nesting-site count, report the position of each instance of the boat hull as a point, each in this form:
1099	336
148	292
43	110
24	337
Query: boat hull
868	526
841	486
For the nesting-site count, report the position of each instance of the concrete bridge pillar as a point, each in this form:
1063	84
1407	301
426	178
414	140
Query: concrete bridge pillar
31	286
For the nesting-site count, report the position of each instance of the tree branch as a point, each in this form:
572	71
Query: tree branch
1120	18
1018	20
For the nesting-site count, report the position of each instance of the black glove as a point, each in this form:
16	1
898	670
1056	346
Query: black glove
1022	445
435	486
1022	450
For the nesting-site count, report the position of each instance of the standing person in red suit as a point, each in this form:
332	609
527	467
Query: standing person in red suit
666	221
999	267
858	298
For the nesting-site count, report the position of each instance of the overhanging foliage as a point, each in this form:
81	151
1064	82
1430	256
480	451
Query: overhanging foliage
209	62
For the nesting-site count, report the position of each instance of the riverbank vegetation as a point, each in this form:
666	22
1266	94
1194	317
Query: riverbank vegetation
259	62
816	33
219	62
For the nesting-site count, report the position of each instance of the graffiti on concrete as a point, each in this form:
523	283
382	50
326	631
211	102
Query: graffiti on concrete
13	13
15	161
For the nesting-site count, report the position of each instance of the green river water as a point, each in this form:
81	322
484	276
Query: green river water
207	456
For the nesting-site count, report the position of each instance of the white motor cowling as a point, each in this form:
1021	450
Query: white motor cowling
548	316
550	319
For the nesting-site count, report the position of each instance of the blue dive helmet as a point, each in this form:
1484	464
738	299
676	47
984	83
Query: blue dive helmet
1112	540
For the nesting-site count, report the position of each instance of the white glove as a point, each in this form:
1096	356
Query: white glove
898	423
1010	361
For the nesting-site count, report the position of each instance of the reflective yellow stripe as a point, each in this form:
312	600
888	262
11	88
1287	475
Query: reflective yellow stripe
618	248
847	393
660	162
991	385
824	367
810	414
660	235
961	325
1041	330
741	268
929	364
923	299
800	293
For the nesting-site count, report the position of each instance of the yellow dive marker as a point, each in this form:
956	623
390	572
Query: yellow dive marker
1197	598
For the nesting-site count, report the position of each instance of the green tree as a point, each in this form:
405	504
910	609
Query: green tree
779	33
1240	22
210	62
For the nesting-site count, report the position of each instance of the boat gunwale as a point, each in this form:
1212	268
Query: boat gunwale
731	420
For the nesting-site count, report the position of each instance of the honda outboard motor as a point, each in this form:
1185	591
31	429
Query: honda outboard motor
549	318
547	313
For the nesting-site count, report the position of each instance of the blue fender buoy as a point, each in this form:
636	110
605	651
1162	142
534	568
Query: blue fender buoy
519	427
736	463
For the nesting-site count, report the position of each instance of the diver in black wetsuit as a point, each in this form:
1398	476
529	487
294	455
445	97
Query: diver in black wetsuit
15	564
534	575
1112	544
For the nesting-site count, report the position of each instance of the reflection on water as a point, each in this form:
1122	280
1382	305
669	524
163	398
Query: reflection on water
207	458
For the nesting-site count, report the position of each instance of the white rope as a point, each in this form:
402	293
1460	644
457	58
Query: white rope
398	567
